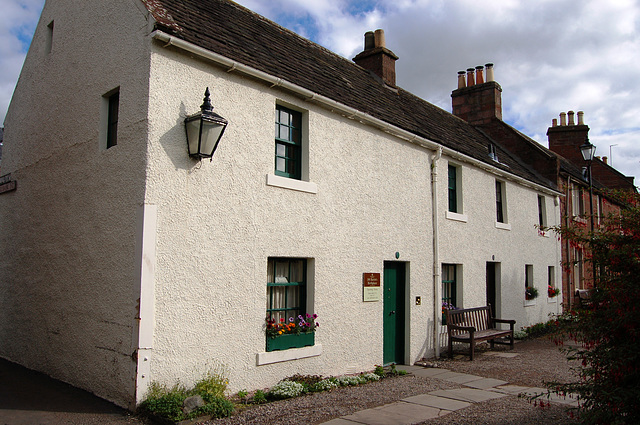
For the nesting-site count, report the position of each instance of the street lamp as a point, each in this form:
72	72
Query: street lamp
588	151
204	130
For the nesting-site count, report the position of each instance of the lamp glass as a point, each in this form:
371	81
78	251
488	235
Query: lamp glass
588	151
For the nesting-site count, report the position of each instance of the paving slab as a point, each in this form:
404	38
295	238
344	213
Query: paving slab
398	413
510	389
485	383
410	368
471	395
499	354
449	375
340	421
462	378
431	372
438	402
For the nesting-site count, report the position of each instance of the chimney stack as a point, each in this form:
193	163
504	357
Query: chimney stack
478	101
377	58
565	139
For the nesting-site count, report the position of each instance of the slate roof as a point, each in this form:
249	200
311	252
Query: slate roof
228	29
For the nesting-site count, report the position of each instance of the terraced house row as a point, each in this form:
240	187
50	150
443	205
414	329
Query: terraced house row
128	257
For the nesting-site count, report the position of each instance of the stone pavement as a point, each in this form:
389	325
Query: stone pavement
423	407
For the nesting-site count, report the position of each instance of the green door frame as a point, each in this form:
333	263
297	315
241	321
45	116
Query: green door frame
394	312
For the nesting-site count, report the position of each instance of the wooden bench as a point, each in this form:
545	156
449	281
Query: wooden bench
473	325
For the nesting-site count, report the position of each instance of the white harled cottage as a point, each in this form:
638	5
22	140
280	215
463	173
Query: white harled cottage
332	192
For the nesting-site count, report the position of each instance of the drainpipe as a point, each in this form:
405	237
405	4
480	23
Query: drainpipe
568	198
436	257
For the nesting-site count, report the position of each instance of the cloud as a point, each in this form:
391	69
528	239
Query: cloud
17	24
550	56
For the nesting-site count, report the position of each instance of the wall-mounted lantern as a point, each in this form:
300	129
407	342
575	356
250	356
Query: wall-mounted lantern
204	130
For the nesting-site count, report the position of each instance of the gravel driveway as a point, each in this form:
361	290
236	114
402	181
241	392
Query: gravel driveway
537	361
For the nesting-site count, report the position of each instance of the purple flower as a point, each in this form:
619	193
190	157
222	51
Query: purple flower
300	317
315	316
290	319
317	324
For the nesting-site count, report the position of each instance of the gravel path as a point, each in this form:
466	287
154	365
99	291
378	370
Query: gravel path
537	361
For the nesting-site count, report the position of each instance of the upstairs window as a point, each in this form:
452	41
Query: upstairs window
455	204
542	211
577	203
49	38
109	119
501	212
288	129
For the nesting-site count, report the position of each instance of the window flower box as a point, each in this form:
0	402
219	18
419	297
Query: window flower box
287	341
294	333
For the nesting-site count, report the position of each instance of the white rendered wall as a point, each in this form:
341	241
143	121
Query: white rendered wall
219	222
476	240
68	269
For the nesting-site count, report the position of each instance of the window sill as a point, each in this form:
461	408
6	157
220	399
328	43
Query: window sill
529	303
552	300
456	217
503	226
288	355
579	219
293	184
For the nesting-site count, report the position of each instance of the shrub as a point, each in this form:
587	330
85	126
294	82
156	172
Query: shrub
259	397
168	402
607	330
286	389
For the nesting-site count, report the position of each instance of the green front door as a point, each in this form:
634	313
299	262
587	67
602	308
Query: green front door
393	323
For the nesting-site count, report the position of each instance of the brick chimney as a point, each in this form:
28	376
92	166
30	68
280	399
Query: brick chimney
480	100
377	58
565	139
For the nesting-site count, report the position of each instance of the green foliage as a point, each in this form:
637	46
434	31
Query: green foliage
217	407
379	370
168	402
608	330
540	329
165	402
213	385
259	397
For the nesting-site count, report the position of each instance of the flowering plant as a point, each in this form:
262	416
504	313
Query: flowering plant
530	293
300	325
553	291
448	306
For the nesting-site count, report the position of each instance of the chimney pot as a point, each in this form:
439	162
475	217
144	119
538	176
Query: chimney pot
369	40
571	121
563	118
554	122
489	68
479	76
470	80
580	118
379	38
605	159
461	81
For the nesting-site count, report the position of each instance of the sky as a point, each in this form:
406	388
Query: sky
549	56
